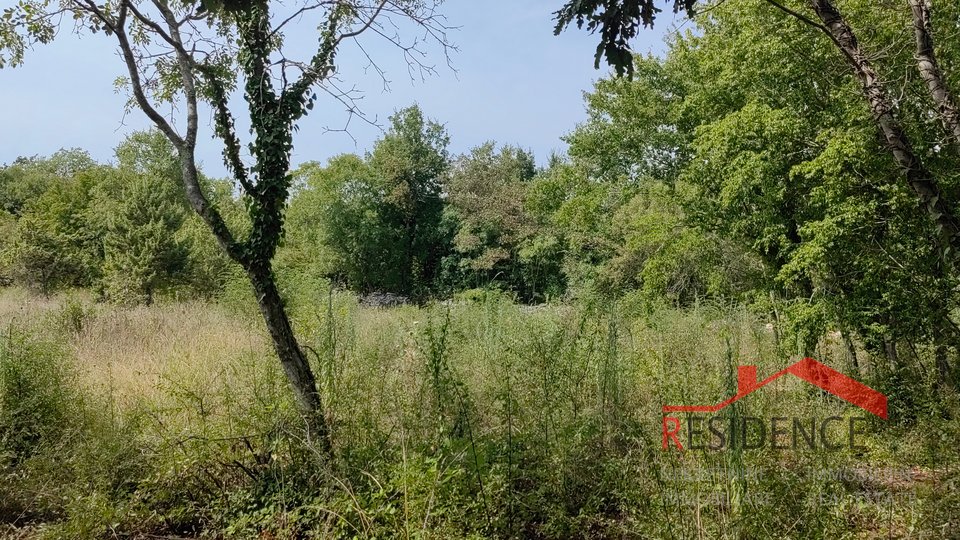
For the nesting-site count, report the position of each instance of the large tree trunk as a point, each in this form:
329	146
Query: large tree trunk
930	70
921	181
893	357
294	363
851	351
945	340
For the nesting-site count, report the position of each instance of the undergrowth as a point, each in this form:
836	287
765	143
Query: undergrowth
459	420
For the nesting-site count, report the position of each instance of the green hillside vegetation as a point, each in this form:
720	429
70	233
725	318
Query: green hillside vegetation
493	334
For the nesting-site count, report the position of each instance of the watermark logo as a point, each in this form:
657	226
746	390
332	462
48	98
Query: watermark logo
815	434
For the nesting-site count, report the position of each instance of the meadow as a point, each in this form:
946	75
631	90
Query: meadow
471	418
190	350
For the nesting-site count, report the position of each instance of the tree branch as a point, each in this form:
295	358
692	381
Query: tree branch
930	71
320	66
298	13
224	124
185	63
810	22
134	71
185	145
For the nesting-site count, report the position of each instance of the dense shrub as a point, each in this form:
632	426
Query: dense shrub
36	394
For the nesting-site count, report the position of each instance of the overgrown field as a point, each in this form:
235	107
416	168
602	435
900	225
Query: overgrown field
470	419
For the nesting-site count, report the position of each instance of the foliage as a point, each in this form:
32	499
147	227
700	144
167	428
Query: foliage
8	226
800	178
337	227
119	229
149	153
35	382
486	191
374	223
51	245
619	21
141	250
495	241
27	178
635	130
410	161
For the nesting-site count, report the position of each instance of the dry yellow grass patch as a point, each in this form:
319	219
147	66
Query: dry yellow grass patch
20	306
139	354
136	352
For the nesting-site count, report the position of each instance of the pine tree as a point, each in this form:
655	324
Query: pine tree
140	247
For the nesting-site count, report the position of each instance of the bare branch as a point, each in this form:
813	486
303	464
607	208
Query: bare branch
365	26
299	13
319	67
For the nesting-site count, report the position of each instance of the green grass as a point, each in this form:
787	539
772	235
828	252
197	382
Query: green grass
465	420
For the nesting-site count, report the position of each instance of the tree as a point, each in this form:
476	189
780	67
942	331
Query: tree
140	246
149	153
51	245
374	222
929	68
896	140
620	20
486	193
188	53
43	199
338	227
26	179
208	268
631	133
410	161
796	178
202	266
618	206
771	140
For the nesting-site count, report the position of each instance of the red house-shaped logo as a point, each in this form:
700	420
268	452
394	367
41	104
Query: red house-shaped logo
813	372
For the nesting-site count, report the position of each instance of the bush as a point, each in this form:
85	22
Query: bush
37	404
482	296
36	390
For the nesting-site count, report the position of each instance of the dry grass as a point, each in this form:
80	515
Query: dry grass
558	403
21	306
168	356
135	351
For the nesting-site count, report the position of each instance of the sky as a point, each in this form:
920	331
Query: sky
512	81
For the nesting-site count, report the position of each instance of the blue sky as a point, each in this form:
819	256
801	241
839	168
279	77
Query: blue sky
514	83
